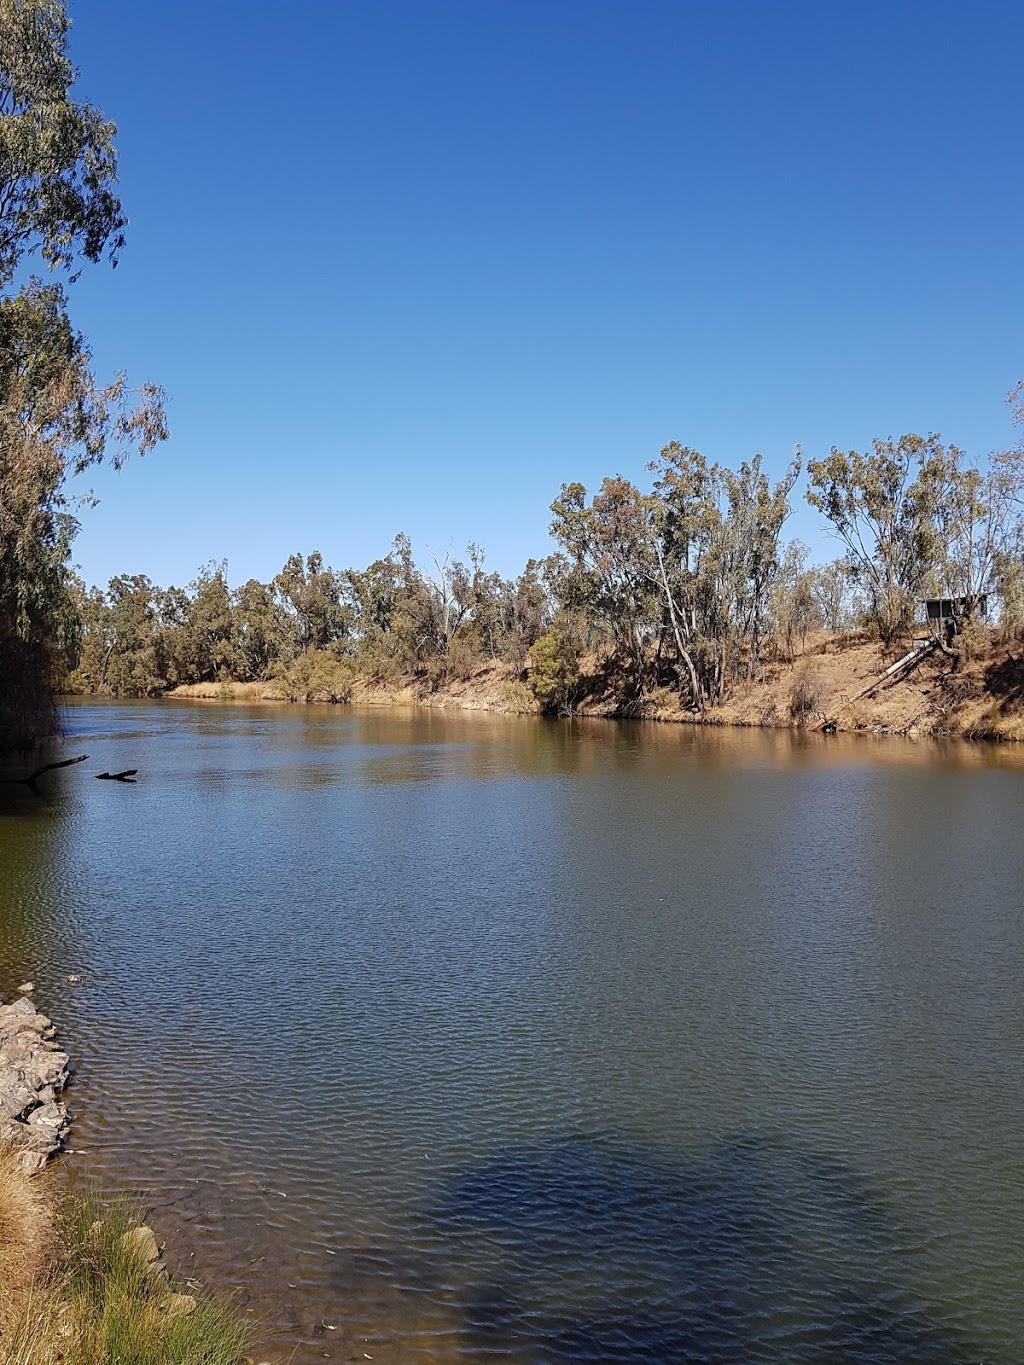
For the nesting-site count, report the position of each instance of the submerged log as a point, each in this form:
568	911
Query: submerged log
128	775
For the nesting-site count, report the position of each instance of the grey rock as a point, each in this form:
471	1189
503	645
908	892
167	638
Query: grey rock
30	1161
15	1098
178	1305
42	1139
52	1068
49	1116
33	1071
142	1239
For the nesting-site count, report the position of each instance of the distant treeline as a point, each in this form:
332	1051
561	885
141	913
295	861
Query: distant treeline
689	584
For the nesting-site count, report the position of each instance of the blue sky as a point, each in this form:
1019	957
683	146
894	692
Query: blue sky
411	264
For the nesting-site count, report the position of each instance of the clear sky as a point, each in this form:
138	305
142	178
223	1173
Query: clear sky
411	264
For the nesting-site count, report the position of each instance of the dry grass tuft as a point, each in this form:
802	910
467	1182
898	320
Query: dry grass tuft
26	1243
73	1291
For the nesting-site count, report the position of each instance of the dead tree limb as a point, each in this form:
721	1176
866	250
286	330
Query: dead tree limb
128	775
33	778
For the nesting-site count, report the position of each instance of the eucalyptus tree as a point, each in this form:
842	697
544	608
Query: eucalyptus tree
883	505
450	598
717	536
978	527
137	656
689	543
794	604
756	514
530	613
58	204
317	599
380	650
830	586
610	568
917	516
263	636
209	638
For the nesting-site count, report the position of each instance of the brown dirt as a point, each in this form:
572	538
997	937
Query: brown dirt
978	698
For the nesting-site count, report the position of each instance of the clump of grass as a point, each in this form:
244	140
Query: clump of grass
93	1300
26	1247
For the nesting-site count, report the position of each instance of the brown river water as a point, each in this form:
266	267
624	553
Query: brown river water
467	1038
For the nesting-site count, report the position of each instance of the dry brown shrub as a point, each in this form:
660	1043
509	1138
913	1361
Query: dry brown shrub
808	694
974	641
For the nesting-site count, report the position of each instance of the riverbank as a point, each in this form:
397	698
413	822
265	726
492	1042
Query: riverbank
82	1280
828	684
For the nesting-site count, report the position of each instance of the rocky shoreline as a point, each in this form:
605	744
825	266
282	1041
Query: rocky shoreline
34	1072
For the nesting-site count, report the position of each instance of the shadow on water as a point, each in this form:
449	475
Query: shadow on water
584	1250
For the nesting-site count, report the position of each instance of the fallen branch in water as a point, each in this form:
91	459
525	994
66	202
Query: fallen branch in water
128	775
32	778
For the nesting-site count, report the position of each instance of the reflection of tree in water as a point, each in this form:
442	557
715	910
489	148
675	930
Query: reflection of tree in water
34	927
579	1250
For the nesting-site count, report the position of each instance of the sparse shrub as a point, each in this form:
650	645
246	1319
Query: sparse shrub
973	640
808	695
463	658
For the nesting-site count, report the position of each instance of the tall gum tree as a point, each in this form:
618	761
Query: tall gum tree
58	207
882	504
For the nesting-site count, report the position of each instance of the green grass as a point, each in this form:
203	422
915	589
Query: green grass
98	1304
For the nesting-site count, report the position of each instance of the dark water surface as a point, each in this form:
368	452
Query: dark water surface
481	1039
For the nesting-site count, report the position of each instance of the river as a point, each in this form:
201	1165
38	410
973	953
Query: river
456	1037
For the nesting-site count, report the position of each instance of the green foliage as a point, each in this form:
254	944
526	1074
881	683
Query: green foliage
114	1311
917	519
316	598
830	588
686	569
264	638
554	671
317	675
610	567
58	166
686	585
518	700
719	534
57	201
883	507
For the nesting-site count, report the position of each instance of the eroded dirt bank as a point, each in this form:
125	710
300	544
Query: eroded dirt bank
978	698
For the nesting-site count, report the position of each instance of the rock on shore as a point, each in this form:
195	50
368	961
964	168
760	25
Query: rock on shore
33	1072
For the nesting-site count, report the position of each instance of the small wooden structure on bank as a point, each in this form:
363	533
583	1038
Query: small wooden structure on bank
945	613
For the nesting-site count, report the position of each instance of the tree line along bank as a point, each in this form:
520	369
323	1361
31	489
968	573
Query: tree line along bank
688	584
